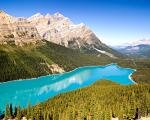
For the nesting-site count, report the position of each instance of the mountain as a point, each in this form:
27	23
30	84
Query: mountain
61	30
54	28
34	60
40	45
17	30
140	48
140	42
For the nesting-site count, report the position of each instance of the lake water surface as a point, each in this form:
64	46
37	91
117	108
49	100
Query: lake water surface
40	89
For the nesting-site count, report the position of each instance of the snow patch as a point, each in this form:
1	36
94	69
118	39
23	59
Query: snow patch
106	53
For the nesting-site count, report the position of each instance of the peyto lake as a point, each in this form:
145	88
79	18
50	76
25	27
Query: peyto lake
40	89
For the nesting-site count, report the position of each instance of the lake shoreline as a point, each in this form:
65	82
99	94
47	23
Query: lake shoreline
19	80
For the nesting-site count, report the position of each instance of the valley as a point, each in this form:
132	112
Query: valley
14	57
16	62
68	73
42	88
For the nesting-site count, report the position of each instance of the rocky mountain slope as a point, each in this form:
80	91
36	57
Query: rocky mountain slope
30	61
17	31
61	30
54	28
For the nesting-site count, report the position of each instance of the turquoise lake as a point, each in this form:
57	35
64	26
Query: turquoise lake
40	89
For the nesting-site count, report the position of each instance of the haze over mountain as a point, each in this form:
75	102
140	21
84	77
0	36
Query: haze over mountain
139	48
54	28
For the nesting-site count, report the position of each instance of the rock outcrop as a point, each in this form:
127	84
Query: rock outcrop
54	28
56	69
17	31
61	30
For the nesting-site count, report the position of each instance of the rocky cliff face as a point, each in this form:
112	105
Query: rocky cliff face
54	28
61	30
16	30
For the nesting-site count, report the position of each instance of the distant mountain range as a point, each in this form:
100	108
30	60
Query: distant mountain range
140	48
54	28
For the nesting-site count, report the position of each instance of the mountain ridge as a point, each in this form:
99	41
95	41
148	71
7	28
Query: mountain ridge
139	48
55	28
32	61
16	31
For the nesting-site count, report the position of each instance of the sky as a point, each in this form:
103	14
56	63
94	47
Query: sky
114	21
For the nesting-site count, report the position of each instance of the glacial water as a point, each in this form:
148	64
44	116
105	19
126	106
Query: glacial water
40	89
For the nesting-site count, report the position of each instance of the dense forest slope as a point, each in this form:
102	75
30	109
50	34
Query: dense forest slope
35	60
100	101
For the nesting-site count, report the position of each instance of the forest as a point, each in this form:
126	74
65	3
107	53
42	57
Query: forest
103	100
27	61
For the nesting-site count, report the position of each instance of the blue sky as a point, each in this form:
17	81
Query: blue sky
113	21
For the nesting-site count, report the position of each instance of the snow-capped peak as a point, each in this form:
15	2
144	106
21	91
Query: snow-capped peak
58	14
36	16
47	15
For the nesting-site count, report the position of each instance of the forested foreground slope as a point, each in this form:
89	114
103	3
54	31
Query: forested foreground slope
31	61
100	101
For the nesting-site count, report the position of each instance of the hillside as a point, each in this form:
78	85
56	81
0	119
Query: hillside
140	48
17	31
41	59
100	101
35	60
54	28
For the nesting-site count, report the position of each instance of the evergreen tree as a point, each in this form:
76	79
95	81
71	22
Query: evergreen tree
19	116
108	115
15	111
7	112
11	110
28	111
121	113
101	115
32	115
131	107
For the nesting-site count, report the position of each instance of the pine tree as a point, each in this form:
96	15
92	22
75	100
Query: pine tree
28	111
39	115
108	115
48	116
7	112
32	115
18	113
131	107
101	116
11	110
15	111
121	113
45	115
